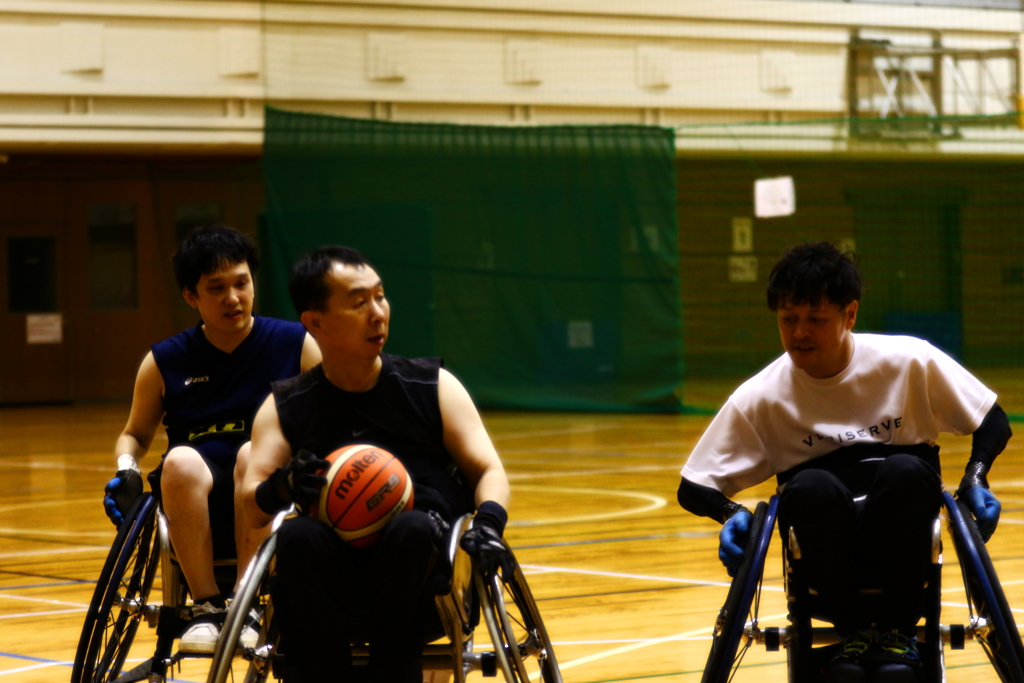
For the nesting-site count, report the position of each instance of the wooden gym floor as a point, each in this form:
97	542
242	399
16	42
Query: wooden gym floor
627	582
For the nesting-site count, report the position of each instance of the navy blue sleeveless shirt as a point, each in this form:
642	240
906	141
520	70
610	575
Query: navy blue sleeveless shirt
212	395
400	414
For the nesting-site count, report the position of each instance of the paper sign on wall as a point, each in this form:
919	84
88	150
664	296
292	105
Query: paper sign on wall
742	269
44	328
774	197
742	235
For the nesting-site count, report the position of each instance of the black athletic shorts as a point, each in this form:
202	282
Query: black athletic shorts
219	457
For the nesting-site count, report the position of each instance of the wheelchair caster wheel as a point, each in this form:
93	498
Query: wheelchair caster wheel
956	636
489	664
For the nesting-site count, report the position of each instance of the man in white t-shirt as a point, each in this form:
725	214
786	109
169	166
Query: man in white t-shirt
847	423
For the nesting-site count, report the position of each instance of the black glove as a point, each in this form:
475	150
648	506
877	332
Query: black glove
297	482
123	490
483	541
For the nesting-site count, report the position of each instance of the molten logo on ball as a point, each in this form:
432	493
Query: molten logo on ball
359	465
366	488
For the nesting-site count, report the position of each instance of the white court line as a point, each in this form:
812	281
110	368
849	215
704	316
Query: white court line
654	502
560	643
554	432
637	646
55	551
51	503
55	532
54	466
964	604
49	602
33	667
44	614
1001	583
640	577
582	472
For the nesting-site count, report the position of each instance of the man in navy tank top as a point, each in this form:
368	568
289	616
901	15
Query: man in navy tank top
413	408
205	384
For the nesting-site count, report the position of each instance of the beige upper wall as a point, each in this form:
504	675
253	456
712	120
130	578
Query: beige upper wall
152	75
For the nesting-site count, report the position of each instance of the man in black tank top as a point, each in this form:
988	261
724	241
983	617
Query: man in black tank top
328	593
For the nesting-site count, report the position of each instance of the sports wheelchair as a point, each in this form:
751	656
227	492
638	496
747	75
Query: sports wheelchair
521	648
809	648
121	601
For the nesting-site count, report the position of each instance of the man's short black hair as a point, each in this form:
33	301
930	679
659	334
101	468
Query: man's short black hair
308	284
208	248
808	272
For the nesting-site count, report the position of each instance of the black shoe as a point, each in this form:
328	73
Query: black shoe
846	666
888	672
896	647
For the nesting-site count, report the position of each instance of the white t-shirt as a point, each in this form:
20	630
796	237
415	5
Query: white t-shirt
896	390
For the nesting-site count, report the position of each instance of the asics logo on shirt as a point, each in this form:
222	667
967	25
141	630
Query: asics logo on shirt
197	380
871	433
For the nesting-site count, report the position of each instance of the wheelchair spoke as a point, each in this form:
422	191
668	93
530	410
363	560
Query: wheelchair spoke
521	644
253	593
119	602
735	628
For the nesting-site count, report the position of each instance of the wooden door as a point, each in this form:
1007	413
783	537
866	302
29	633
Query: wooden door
118	299
34	341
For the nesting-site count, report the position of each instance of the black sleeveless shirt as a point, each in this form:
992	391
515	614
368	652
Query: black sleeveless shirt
400	414
212	395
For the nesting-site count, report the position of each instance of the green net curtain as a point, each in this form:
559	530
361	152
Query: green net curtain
541	263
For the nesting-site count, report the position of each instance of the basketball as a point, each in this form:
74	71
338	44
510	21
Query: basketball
366	488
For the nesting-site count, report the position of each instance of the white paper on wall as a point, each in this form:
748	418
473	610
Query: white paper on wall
774	197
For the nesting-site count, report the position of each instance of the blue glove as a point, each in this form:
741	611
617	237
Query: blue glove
984	506
123	490
733	540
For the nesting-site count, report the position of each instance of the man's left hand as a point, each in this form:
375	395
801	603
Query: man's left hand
485	546
984	506
483	542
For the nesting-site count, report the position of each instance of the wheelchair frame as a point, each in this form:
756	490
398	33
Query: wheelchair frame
508	607
120	602
737	628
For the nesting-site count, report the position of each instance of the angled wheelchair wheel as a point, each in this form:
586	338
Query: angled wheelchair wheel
728	641
253	595
994	625
522	646
120	599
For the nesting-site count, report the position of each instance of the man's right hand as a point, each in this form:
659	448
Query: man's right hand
123	490
299	481
733	540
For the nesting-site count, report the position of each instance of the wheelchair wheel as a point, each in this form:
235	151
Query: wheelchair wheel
522	646
998	634
742	603
253	594
119	601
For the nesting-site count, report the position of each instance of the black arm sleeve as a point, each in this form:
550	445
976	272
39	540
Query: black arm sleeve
988	441
705	501
991	437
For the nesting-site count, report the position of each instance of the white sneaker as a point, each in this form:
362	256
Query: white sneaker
251	630
249	637
201	636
